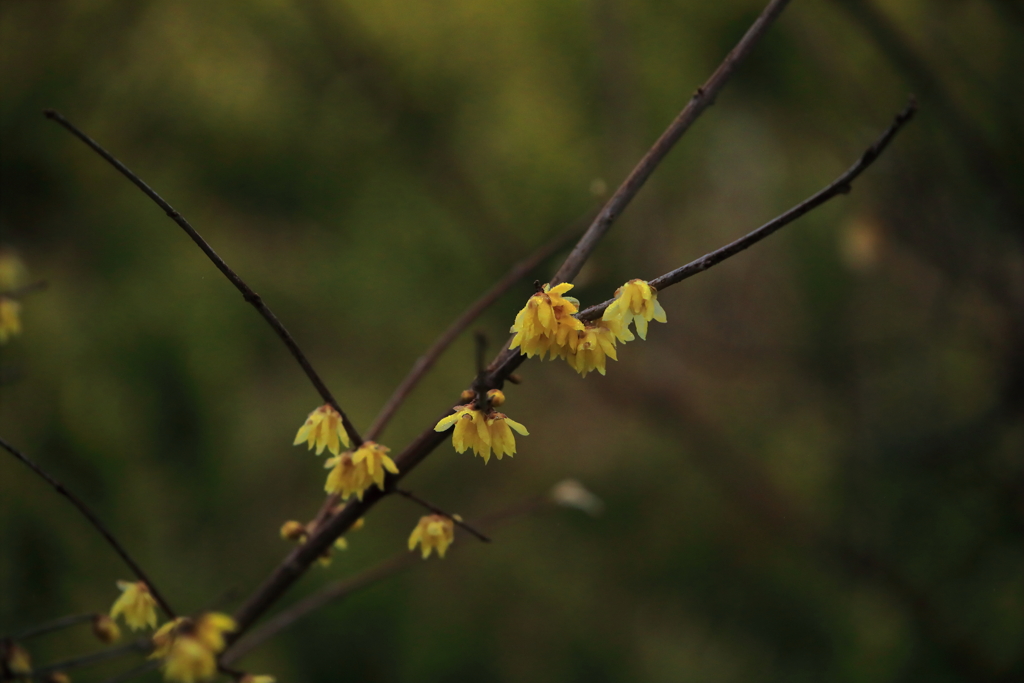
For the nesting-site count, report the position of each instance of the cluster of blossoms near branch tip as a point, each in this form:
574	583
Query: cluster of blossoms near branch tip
353	473
136	604
189	647
324	428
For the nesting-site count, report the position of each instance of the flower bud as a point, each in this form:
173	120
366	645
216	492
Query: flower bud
105	629
293	531
496	397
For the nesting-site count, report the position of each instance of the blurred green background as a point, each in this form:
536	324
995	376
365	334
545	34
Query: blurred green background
814	472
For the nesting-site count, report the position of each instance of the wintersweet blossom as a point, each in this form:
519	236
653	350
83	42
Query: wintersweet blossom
325	428
356	472
482	431
593	347
10	318
433	531
635	302
546	325
137	605
15	658
189	647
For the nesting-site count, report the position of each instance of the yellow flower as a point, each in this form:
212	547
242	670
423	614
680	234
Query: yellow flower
16	658
433	531
189	647
482	432
249	678
594	346
136	604
546	324
325	428
356	472
635	302
105	629
10	321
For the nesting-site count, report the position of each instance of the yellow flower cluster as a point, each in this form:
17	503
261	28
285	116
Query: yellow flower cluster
545	325
323	427
635	302
356	472
137	605
482	431
593	346
433	531
189	647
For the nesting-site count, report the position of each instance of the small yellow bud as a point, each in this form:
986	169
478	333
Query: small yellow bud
249	678
293	531
496	397
467	395
105	629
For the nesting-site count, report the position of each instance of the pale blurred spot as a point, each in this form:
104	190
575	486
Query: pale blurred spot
598	187
572	494
862	243
12	270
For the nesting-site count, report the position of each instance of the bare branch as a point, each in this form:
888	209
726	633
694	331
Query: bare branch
300	559
701	100
841	185
247	293
140	645
50	626
25	290
438	511
97	524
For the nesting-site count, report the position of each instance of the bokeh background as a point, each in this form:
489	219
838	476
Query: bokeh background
814	472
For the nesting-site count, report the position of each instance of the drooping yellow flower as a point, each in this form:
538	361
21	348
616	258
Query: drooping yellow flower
189	647
10	318
594	346
356	472
635	302
16	658
323	427
433	531
546	324
482	432
136	604
105	629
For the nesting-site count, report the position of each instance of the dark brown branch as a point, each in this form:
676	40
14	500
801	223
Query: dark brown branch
300	559
701	100
247	293
50	626
841	185
429	358
24	290
438	511
97	524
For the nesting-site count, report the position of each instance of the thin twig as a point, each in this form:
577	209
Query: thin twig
703	98
138	645
429	358
342	588
97	524
301	558
48	627
841	185
19	292
438	511
247	293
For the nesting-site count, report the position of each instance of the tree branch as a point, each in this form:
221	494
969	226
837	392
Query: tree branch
247	293
701	100
138	645
97	524
300	559
30	288
841	185
48	627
